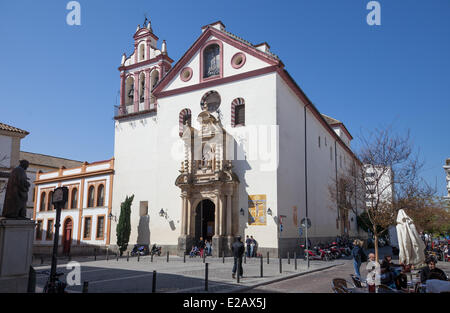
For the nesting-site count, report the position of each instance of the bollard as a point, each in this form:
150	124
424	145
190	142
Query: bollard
238	270
95	254
151	258
281	266
31	280
42	260
245	259
267	257
184	257
167	256
139	255
85	287
154	282
261	265
117	256
204	256
206	277
70	257
295	260
128	256
107	254
223	257
289	257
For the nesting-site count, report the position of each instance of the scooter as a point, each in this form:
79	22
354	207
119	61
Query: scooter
315	254
139	249
156	250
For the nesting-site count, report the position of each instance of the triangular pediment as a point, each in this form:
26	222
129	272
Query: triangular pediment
187	71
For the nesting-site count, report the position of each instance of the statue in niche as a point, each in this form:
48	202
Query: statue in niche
15	205
212	65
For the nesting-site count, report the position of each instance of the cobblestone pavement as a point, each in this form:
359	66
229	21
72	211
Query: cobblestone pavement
320	282
175	276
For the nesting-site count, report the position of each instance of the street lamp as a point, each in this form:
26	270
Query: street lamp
163	213
241	211
269	211
112	217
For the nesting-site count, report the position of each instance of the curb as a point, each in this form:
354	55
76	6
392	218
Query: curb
243	289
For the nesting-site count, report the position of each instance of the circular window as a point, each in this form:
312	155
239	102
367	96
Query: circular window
186	74
238	60
211	101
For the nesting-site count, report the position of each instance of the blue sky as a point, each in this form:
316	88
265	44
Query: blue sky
61	82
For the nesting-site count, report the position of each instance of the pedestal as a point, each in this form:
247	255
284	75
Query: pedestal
185	243
16	249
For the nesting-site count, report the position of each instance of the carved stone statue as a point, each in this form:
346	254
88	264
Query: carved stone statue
15	205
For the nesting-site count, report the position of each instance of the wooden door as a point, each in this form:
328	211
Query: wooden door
67	236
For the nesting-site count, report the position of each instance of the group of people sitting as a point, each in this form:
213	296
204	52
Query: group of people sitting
202	248
389	274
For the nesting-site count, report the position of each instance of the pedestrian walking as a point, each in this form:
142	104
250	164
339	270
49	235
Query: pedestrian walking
253	247
358	256
248	242
238	250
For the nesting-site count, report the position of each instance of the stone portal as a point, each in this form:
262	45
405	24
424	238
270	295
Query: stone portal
207	179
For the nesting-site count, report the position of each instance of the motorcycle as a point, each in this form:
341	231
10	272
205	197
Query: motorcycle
139	249
315	254
155	250
57	286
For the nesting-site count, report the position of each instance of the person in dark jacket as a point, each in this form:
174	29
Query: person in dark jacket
358	256
238	250
248	242
431	271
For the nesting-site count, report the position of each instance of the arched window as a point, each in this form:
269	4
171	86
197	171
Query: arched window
154	76
129	90
142	52
211	61
91	197
184	119
210	101
238	112
49	201
42	206
100	195
74	202
141	87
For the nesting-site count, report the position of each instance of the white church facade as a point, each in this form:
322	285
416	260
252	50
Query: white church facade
223	143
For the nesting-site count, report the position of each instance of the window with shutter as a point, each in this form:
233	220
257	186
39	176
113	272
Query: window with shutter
240	115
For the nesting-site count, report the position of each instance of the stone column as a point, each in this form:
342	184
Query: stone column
222	216
136	92
217	217
122	90
229	216
147	90
183	214
189	217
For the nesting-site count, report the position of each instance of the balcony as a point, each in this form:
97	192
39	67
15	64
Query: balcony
130	110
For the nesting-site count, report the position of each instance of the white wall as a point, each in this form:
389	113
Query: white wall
144	165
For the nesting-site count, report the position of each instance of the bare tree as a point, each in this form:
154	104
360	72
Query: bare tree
386	175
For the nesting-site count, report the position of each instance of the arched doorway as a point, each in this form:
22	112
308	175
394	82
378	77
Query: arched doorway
204	220
67	235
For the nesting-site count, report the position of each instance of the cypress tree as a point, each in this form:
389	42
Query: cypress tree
123	229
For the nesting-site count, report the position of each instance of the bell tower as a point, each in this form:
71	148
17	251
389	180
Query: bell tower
141	71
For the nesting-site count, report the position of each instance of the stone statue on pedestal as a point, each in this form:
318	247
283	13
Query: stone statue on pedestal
15	205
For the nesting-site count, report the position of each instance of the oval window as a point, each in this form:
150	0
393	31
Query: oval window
238	60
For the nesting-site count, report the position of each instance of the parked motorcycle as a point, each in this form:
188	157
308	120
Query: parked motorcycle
139	249
315	254
155	250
